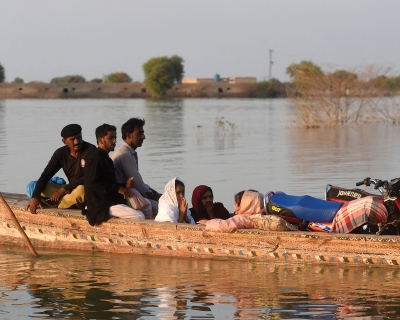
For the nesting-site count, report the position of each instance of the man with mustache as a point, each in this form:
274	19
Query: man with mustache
105	197
126	162
71	158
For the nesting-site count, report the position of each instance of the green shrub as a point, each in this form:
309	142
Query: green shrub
2	74
96	80
69	79
161	73
18	80
117	77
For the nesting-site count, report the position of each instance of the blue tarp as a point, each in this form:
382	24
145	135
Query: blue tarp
31	185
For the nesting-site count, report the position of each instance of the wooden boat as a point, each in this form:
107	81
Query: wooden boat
68	229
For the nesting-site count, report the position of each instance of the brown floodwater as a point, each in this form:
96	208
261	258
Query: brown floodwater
230	145
80	285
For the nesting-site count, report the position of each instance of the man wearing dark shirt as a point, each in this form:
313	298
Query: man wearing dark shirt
105	197
72	159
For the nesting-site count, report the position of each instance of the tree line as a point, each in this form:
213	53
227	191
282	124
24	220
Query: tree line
161	73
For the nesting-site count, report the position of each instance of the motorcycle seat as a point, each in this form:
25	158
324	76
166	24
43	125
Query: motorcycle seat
304	207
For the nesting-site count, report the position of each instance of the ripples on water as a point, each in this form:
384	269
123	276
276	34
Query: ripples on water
76	285
263	151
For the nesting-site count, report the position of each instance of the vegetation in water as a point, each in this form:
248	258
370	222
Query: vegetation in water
341	97
269	89
225	133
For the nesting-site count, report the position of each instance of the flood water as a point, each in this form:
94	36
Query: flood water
229	145
76	285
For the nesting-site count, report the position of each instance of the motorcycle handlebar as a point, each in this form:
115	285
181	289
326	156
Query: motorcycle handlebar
378	184
359	183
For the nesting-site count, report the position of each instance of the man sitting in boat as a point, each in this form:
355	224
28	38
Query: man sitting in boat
71	158
105	197
126	163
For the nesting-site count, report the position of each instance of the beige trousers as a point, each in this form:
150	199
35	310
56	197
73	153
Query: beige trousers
76	195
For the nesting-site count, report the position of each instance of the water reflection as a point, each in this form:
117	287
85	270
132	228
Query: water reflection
165	134
103	286
264	154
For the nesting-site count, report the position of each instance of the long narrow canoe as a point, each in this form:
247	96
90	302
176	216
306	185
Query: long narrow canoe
68	229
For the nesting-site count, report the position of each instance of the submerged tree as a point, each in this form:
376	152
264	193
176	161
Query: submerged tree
268	89
341	97
301	73
161	73
2	74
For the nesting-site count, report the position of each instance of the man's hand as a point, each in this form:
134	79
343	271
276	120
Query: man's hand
182	206
210	209
202	222
124	191
33	204
130	183
57	196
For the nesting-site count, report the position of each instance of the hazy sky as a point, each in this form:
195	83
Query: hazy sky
42	39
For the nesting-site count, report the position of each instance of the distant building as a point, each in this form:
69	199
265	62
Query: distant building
197	80
242	79
232	80
189	80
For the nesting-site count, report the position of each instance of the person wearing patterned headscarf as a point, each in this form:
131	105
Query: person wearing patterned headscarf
246	204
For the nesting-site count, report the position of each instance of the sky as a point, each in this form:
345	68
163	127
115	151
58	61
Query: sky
43	39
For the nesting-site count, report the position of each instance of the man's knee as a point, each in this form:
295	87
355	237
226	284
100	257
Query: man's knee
77	195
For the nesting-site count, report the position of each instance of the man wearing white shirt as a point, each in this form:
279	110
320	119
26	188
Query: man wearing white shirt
126	160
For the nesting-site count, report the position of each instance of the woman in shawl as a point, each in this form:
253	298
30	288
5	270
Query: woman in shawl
246	203
172	206
204	207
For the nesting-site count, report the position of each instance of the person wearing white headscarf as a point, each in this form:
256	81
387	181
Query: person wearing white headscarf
172	206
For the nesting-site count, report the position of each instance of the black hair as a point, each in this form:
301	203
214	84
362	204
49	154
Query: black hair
101	131
130	125
239	195
179	183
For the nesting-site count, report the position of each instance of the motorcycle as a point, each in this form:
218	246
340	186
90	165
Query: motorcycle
312	214
389	196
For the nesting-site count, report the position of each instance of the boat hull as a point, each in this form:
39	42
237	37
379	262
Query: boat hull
67	229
